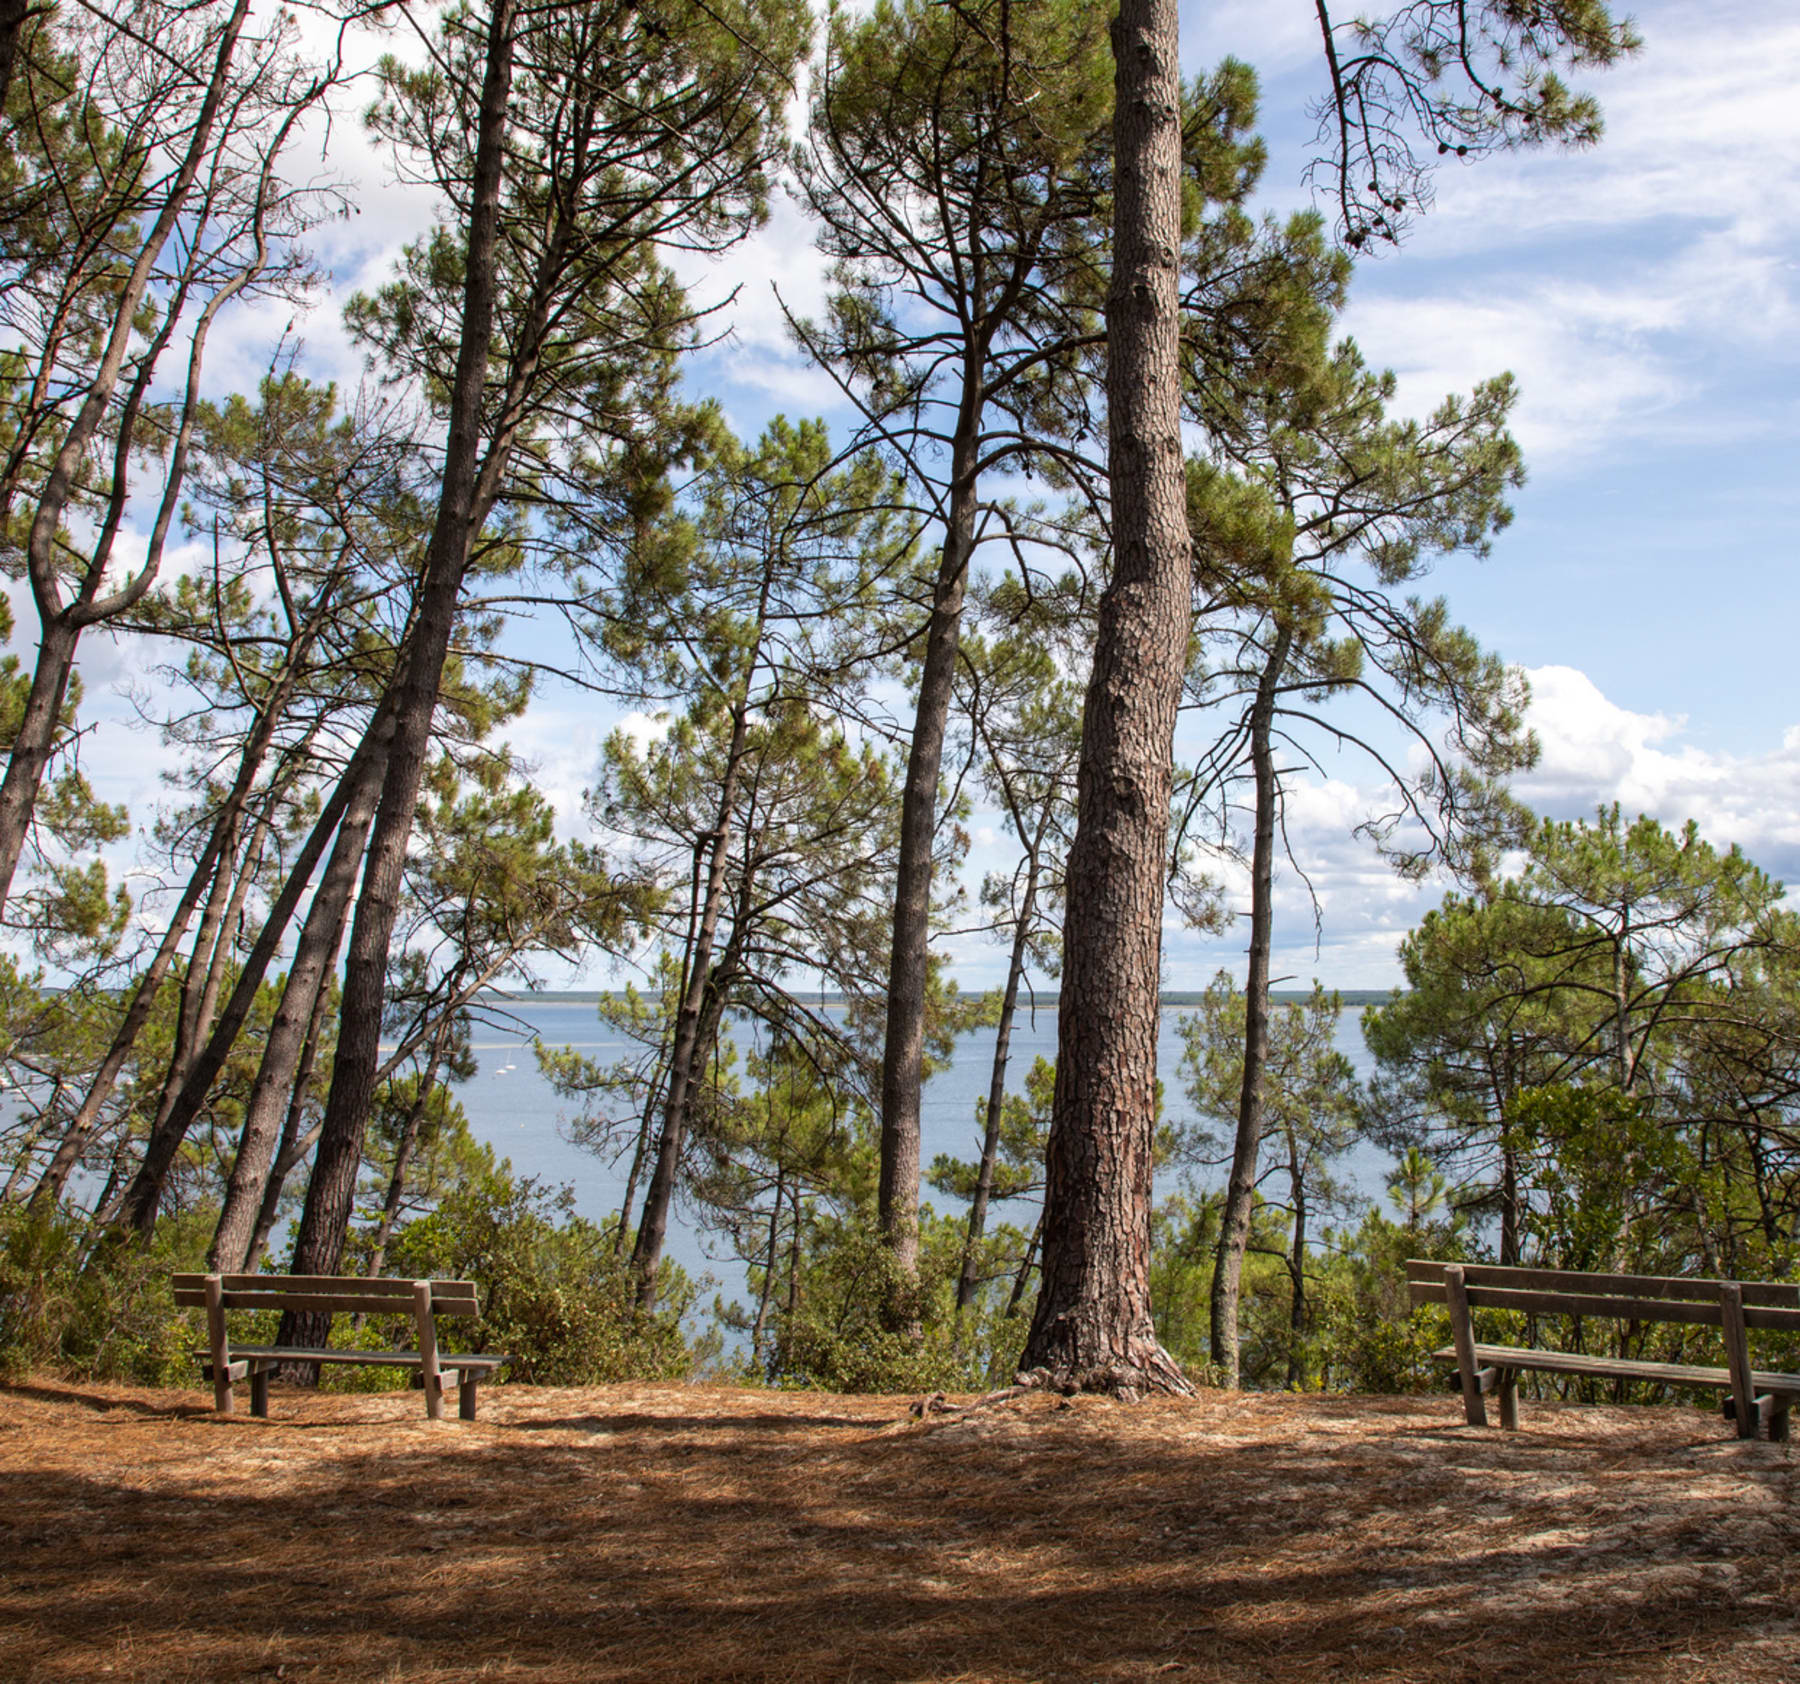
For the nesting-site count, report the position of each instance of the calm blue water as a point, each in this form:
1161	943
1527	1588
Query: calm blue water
511	1106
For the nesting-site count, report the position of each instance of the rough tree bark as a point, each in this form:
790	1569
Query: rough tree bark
141	1201
320	1242
293	1146
13	14
903	1051
1240	1189
1092	1328
289	1034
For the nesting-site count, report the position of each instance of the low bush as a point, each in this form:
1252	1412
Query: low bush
108	1315
554	1296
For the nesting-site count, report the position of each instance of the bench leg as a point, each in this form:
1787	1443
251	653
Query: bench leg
259	1390
1778	1424
1462	1325
466	1394
219	1346
1509	1399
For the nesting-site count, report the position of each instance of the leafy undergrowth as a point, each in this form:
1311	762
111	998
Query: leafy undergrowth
690	1533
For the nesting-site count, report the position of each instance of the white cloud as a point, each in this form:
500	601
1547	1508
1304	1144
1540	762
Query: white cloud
1600	368
1628	286
783	255
560	743
644	729
1701	125
1597	752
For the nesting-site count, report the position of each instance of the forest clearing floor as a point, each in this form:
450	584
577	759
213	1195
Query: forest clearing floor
668	1533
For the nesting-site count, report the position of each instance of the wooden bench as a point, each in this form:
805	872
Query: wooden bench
1755	1396
423	1301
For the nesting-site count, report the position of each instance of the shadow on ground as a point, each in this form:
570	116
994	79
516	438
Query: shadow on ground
672	1534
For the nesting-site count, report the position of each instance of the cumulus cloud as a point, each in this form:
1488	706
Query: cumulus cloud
1597	752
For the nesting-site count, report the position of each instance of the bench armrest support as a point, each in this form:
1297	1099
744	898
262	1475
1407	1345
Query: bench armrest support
216	1342
1737	1358
1457	1296
428	1351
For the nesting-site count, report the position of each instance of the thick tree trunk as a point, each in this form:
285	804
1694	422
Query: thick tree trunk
35	741
145	1194
903	1052
1092	1329
291	1032
12	28
1240	1189
330	1192
294	1146
968	1280
288	1157
646	1124
1509	1208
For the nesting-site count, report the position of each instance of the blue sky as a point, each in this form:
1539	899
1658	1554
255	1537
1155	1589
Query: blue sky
1646	295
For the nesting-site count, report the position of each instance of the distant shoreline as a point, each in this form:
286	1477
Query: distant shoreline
1044	1001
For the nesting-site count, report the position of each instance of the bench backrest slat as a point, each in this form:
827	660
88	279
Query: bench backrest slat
348	1293
1578	1304
1771	1305
1772	1294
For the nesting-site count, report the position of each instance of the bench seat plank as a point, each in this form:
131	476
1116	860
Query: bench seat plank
1621	1368
366	1359
1756	1396
349	1303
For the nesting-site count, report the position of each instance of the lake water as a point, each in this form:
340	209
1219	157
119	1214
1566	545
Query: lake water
511	1106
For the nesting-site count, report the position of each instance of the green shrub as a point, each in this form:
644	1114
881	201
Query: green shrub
553	1296
842	1338
1370	1337
111	1316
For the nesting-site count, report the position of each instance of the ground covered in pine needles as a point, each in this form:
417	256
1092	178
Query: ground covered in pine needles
679	1533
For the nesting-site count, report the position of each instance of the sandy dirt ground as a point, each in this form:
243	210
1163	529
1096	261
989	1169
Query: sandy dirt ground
677	1533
